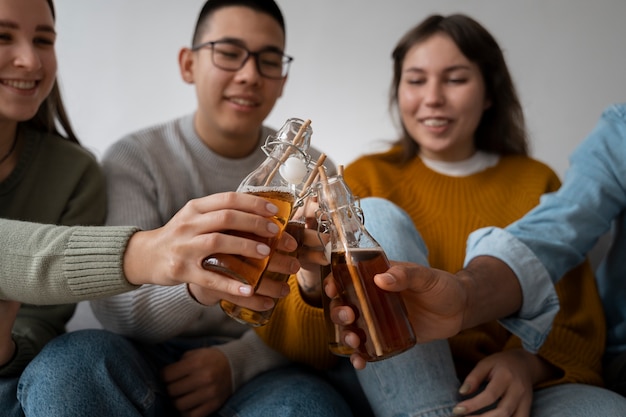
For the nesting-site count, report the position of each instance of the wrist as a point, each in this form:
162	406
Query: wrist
134	261
492	291
540	369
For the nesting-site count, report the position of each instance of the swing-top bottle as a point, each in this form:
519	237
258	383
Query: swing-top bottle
381	318
277	180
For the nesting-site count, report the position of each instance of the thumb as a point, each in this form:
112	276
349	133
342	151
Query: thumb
394	279
397	278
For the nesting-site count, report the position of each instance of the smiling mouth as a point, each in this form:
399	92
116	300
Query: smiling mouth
243	102
435	122
20	85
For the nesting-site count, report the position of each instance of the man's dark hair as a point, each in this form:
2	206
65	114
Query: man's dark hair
264	6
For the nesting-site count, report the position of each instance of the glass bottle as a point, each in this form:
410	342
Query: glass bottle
333	331
295	227
381	318
276	180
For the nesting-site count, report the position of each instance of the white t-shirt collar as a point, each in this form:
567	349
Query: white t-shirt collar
478	162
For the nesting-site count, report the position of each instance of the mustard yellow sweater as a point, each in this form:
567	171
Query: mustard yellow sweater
446	210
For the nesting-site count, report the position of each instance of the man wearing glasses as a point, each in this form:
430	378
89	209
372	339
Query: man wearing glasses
172	351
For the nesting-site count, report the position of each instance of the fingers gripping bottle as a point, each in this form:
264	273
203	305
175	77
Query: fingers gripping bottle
295	227
276	180
381	318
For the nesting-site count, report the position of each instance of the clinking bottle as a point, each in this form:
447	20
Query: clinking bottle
277	180
381	318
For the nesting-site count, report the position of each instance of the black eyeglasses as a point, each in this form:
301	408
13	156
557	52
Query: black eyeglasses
230	56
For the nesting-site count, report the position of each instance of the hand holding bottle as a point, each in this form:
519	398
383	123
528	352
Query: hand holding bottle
380	321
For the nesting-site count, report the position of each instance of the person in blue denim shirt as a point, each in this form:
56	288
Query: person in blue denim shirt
566	226
509	273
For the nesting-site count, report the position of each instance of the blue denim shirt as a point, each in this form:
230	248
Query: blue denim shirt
556	235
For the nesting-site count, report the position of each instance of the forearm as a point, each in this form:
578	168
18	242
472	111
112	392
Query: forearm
493	291
47	264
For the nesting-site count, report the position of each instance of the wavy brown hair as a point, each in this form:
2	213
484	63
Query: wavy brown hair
502	128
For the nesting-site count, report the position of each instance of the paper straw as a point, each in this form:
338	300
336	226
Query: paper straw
360	291
313	175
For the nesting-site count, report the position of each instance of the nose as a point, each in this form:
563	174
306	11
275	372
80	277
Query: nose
434	94
26	56
250	71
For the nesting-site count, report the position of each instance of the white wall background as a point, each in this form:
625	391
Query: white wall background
119	73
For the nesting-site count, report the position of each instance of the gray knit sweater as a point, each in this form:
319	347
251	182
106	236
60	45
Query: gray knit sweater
151	174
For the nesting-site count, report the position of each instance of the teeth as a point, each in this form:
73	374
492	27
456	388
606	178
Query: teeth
22	85
242	102
435	122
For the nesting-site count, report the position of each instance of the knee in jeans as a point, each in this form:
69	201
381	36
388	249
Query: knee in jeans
74	352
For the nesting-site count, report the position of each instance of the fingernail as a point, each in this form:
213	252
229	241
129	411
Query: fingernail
458	410
269	303
343	316
465	388
245	290
272	208
273	227
294	266
284	291
263	249
388	278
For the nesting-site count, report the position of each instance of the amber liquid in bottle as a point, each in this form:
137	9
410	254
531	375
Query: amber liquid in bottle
250	270
383	329
260	318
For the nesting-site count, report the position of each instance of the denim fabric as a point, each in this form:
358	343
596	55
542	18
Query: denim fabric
421	381
577	400
9	404
562	229
98	373
541	303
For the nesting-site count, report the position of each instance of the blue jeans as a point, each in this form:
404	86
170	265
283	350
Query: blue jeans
98	373
422	381
577	400
8	398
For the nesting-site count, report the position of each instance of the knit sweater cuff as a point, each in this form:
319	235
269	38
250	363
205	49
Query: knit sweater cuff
93	261
249	356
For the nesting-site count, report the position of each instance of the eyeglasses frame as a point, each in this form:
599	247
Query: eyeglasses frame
286	59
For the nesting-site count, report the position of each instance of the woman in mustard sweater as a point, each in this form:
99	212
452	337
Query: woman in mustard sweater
462	163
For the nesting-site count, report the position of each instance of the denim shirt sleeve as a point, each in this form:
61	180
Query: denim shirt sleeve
533	321
556	235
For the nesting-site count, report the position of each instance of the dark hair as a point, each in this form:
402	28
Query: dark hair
502	127
52	111
51	8
264	6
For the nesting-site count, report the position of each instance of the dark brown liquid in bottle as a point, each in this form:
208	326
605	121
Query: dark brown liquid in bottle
381	323
333	331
